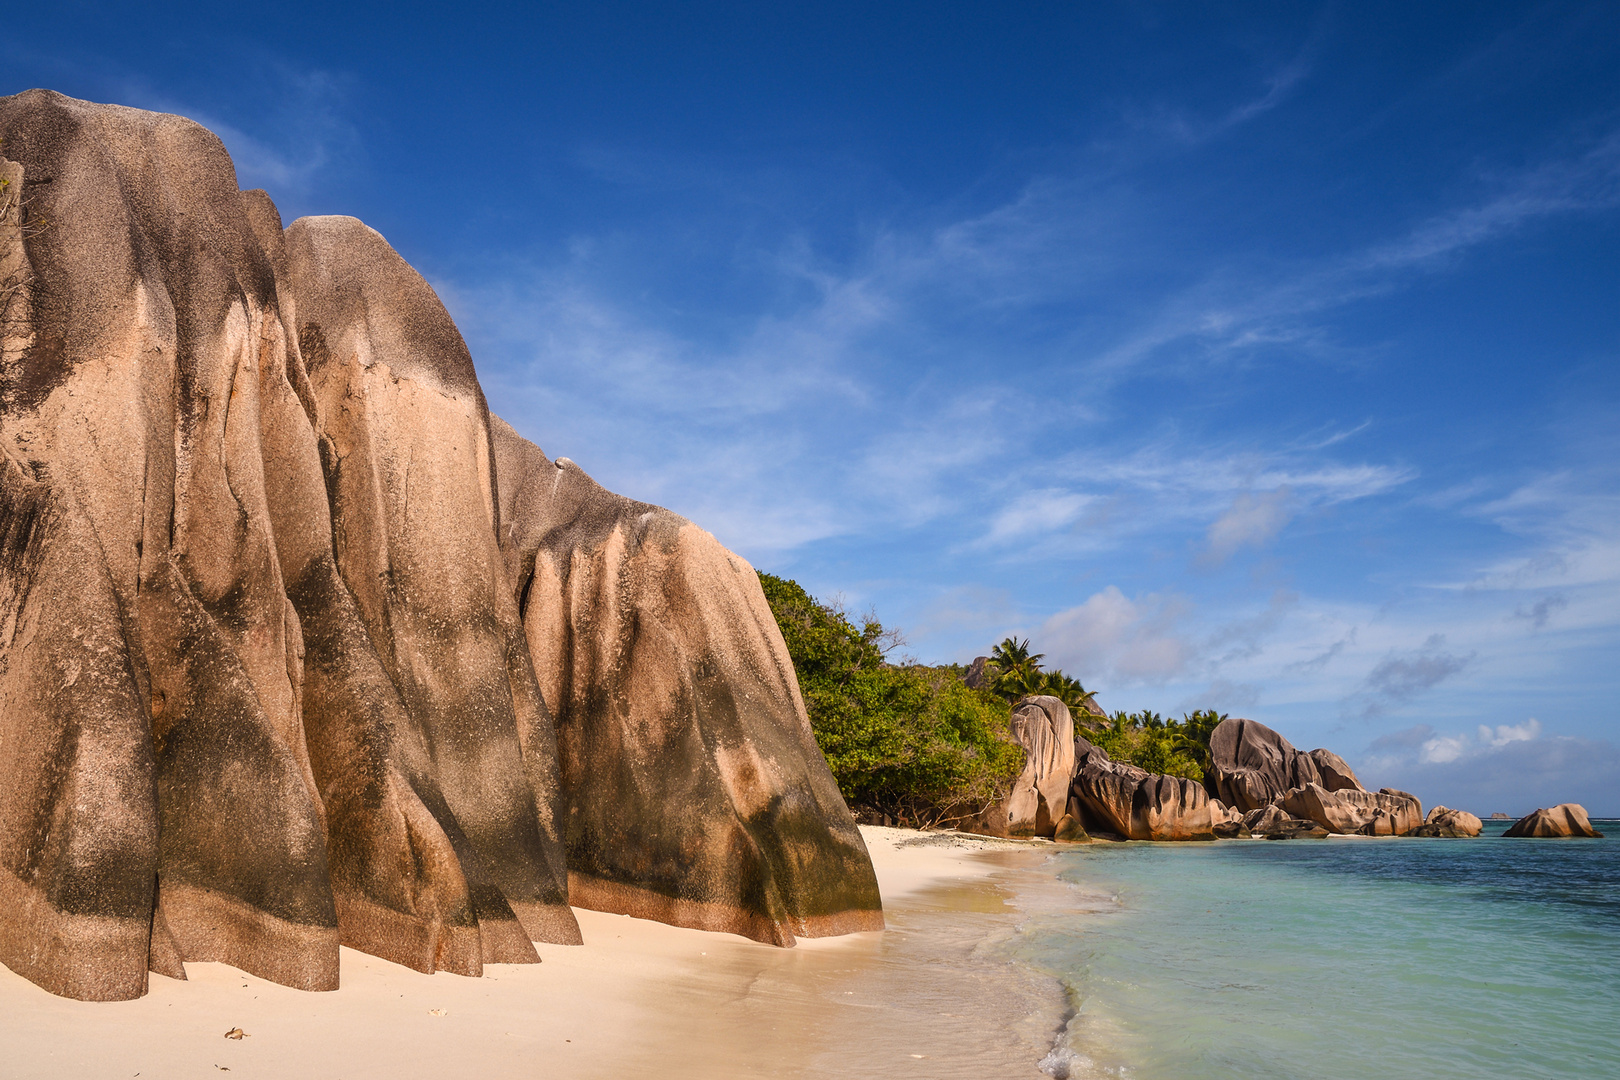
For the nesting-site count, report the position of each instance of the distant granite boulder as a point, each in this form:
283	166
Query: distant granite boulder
1270	823
1383	813
1567	820
1444	821
300	647
1113	798
1251	765
976	676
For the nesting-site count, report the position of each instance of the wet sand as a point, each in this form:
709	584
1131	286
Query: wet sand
932	996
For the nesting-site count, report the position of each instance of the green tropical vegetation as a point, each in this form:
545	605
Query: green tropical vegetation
907	740
1149	741
914	743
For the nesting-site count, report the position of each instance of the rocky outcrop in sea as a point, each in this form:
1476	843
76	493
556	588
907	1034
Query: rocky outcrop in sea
1564	821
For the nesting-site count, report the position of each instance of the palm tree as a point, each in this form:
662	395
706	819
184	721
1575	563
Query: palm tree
1017	671
1068	690
1193	739
1013	655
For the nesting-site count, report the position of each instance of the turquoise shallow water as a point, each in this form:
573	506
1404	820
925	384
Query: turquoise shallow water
1348	957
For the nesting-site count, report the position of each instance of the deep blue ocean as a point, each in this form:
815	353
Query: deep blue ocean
1348	958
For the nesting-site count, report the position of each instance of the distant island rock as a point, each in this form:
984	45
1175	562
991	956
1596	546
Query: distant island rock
301	647
1566	820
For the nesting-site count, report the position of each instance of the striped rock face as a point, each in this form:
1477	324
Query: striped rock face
1252	765
1121	800
1566	820
694	791
269	679
1383	813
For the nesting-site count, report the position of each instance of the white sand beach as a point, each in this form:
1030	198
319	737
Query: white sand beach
638	998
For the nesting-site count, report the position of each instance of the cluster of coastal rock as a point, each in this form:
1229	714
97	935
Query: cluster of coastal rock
1258	785
300	646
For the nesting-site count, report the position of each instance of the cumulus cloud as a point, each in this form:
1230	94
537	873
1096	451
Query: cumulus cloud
1120	639
1507	768
1502	734
1251	521
1421	743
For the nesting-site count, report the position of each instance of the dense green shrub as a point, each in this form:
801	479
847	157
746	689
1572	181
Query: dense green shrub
908	740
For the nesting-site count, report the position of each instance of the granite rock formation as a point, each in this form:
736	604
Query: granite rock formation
1270	823
1251	765
1111	798
976	676
1566	820
1039	798
693	789
1444	821
1383	813
296	646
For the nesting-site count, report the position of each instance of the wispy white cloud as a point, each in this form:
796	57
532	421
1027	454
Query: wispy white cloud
298	130
1229	315
1251	521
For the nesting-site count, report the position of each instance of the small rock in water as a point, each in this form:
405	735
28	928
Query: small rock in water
1564	820
1444	821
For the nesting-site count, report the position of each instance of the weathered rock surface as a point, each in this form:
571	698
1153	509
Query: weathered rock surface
1444	821
1383	813
976	676
1251	765
693	789
1070	831
1271	823
1567	820
1044	726
277	636
1113	798
1335	771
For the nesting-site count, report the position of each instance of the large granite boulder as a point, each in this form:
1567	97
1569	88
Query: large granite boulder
693	788
268	676
157	798
1444	821
1112	798
1251	765
404	436
1567	820
1335	771
1044	727
1383	813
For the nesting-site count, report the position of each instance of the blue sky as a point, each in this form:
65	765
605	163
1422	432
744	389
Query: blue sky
1264	357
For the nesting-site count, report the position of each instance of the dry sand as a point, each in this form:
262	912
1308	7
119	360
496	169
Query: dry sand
637	999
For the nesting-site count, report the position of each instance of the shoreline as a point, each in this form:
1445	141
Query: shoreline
636	995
